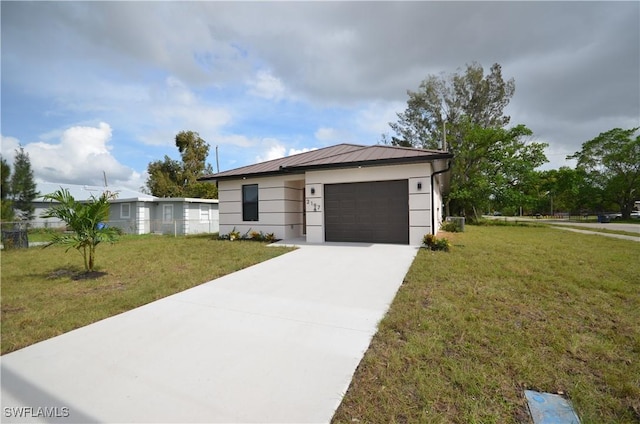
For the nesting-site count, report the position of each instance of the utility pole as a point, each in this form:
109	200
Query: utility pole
217	161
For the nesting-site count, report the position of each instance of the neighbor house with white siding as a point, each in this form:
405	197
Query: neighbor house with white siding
139	213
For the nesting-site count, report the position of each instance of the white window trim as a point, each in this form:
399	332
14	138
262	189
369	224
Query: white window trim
122	208
205	208
164	215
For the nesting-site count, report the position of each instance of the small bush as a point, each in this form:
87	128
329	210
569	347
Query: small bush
233	235
451	227
506	223
249	235
432	242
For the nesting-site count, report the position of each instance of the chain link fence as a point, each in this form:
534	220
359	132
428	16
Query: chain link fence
15	234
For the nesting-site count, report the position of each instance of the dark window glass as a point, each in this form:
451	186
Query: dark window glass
250	202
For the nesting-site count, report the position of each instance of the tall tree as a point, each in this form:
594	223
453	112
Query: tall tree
165	178
492	163
171	178
612	164
86	221
447	101
23	186
467	109
557	190
6	206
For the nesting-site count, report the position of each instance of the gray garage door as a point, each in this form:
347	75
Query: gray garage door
373	212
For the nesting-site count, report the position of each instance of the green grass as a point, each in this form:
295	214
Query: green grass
509	308
42	297
39	236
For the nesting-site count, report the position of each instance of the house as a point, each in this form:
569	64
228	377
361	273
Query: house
138	213
342	193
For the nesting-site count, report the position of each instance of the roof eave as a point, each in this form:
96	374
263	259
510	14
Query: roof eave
303	168
282	170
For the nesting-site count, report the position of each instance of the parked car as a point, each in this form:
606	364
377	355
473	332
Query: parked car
635	215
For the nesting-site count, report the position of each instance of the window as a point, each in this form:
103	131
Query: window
167	213
250	202
204	213
125	210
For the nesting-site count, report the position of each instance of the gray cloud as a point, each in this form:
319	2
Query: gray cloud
576	64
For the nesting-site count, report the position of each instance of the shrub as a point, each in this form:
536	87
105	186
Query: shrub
249	235
451	227
233	235
432	242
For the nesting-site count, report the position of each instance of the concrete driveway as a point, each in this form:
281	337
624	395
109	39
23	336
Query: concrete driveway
276	342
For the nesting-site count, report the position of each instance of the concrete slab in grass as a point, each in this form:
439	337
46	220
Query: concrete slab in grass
547	408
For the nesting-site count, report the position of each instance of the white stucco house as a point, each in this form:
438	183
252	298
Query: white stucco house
139	213
342	193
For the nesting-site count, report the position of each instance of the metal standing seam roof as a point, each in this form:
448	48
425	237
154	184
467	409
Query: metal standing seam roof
341	155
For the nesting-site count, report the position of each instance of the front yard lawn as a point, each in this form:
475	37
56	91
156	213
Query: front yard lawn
508	309
41	297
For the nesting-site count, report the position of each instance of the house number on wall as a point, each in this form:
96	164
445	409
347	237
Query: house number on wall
310	203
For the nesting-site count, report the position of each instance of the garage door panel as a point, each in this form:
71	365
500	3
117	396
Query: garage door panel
376	212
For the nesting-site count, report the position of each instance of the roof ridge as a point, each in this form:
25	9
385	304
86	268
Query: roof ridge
408	148
287	157
359	147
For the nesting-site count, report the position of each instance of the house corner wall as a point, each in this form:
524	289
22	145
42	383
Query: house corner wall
280	206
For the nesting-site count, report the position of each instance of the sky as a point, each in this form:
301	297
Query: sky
101	88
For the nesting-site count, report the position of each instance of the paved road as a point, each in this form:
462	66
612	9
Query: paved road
632	228
276	342
583	227
599	233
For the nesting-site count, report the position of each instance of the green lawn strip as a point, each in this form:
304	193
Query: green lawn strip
508	309
40	298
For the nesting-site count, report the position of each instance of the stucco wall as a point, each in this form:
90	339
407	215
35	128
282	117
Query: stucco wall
279	206
280	200
196	223
437	196
419	199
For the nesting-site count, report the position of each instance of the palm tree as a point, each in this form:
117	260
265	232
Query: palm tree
85	219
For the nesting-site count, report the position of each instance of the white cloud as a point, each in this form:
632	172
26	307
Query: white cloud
82	156
303	150
375	117
325	134
9	146
330	135
267	86
174	107
277	150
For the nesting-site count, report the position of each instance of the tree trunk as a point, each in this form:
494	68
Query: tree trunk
92	253
84	254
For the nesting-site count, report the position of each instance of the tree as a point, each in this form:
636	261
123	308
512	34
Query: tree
492	164
557	190
611	162
23	186
172	178
6	206
85	220
442	102
164	177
